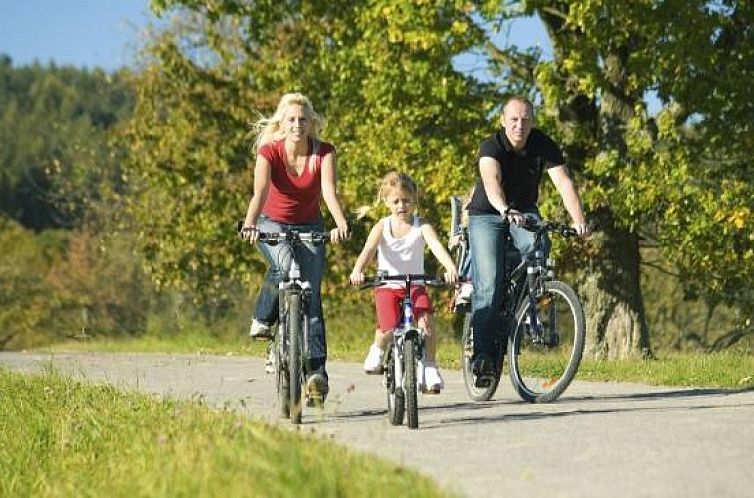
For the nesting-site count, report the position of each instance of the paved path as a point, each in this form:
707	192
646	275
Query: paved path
600	439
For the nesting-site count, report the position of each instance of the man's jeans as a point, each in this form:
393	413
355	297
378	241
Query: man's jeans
487	239
311	259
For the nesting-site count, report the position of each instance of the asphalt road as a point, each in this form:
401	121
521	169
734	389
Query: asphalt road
599	439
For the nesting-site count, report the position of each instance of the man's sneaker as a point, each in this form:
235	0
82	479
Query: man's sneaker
483	370
316	389
431	380
269	362
373	361
259	330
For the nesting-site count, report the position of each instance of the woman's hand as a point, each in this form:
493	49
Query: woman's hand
250	233
339	233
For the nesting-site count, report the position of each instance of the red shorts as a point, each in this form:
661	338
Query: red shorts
389	301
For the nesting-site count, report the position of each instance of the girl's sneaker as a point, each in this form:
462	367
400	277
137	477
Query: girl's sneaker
430	380
373	361
260	331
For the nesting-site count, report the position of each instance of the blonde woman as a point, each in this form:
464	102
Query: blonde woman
294	170
399	240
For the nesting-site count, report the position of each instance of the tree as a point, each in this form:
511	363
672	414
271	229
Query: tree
647	179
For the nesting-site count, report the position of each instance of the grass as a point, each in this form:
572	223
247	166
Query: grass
60	437
730	369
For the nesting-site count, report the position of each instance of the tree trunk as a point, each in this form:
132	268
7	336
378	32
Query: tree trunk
611	294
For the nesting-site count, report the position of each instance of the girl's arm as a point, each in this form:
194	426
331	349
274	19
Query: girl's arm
330	195
370	248
430	237
262	175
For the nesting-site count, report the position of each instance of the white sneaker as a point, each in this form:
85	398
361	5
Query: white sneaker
431	380
373	361
269	362
259	330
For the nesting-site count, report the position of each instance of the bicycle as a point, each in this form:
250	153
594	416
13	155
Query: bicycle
544	315
401	359
293	324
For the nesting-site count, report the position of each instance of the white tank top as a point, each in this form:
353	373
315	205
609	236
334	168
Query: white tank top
403	255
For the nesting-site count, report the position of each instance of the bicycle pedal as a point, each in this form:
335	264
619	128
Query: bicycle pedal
430	391
314	401
375	372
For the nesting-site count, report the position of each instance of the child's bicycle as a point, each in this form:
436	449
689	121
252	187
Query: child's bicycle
293	324
541	317
401	359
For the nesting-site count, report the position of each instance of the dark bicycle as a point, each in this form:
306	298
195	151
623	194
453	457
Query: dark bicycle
293	324
401	359
544	318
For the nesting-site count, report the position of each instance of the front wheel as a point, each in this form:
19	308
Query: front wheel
281	368
295	372
410	384
545	349
484	393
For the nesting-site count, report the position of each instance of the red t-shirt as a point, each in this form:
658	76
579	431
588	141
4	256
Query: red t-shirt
294	199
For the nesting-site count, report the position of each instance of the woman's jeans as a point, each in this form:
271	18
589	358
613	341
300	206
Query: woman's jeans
311	260
488	245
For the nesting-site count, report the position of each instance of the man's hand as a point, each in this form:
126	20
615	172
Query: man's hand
582	229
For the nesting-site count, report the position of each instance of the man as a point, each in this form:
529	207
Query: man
511	162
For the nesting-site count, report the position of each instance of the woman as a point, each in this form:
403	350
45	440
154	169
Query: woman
294	169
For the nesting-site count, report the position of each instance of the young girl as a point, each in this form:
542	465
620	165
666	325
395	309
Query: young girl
399	241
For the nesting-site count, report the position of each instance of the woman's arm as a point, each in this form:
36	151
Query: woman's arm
367	253
330	195
430	237
262	174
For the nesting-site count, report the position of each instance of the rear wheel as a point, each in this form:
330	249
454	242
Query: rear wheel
410	351
467	351
294	356
547	343
395	397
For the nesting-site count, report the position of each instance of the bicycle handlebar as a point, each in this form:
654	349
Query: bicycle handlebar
534	225
273	238
407	278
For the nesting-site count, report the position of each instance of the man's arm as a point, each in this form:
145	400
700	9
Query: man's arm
489	169
567	190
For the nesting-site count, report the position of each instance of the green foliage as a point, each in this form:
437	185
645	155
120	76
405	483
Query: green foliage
64	438
53	125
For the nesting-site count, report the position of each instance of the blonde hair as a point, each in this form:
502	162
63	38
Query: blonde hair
269	129
397	181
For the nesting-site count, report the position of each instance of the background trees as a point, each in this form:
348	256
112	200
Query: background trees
670	191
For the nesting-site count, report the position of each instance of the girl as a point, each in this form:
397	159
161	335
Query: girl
399	241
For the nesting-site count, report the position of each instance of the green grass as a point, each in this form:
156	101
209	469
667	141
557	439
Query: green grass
60	437
731	369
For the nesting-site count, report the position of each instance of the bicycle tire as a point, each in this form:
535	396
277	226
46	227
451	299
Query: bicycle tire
395	397
295	372
541	370
467	351
281	371
410	384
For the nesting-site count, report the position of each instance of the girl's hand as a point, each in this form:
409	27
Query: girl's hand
357	278
451	275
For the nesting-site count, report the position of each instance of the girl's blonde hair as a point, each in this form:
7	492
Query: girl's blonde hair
397	181
269	129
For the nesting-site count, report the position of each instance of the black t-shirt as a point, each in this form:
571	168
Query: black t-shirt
520	171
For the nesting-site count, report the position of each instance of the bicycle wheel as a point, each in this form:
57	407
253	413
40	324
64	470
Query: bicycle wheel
281	370
395	397
467	351
543	360
410	382
294	356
